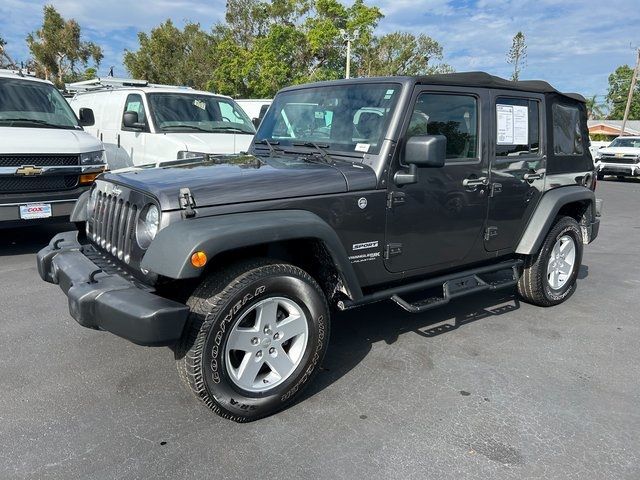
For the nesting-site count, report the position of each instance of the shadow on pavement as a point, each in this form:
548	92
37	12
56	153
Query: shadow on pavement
354	333
25	240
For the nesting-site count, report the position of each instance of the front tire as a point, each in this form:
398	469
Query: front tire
255	337
549	277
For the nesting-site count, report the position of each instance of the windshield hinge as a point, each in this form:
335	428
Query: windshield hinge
187	203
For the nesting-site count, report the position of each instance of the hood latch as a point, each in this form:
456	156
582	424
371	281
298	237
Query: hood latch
187	203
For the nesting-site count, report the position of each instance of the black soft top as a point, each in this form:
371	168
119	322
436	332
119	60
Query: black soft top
483	79
464	79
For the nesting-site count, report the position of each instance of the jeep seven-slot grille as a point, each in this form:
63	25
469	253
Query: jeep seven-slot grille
113	225
44	160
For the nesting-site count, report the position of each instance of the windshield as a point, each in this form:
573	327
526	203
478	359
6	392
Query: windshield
348	118
188	112
25	103
626	142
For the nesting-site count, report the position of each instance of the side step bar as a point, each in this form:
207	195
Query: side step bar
453	286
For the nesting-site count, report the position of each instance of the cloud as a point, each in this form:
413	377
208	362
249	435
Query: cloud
574	44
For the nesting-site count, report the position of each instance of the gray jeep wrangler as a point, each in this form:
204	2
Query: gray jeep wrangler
353	191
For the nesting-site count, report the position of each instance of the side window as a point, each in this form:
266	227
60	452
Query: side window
567	135
229	113
454	116
518	127
134	103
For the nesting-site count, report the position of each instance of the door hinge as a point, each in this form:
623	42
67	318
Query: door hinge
395	198
392	250
187	203
490	232
495	188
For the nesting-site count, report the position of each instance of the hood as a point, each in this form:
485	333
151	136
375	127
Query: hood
217	143
622	150
19	140
246	178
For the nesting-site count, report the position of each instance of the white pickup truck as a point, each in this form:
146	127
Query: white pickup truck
621	158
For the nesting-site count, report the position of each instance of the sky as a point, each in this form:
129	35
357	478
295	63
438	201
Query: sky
573	44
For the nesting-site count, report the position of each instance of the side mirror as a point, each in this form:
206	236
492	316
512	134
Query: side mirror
130	120
87	118
427	151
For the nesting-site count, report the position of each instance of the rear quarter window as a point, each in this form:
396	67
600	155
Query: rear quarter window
567	131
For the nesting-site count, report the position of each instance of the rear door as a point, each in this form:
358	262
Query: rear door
439	219
518	164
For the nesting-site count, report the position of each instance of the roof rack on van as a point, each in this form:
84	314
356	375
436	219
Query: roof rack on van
23	72
102	83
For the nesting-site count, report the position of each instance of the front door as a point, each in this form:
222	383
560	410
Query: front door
439	220
517	166
133	140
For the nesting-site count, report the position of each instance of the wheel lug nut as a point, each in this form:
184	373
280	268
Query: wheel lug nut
272	351
255	341
259	354
276	336
267	330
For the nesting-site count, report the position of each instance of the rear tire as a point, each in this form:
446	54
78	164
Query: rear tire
255	337
549	277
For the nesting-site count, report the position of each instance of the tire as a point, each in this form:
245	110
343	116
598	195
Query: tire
621	178
540	283
245	306
600	176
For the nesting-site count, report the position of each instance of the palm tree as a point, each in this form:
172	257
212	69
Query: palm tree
594	108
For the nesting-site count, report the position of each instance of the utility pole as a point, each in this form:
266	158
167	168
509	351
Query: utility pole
630	97
347	37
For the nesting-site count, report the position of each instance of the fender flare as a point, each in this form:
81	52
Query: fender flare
79	213
547	210
170	252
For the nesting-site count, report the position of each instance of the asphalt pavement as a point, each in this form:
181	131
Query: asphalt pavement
487	387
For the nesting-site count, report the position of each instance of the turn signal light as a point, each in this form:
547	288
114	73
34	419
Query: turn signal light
88	178
199	259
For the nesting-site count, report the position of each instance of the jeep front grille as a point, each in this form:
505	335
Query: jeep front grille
113	226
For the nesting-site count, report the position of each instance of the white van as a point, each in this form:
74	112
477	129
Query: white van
46	158
142	124
255	108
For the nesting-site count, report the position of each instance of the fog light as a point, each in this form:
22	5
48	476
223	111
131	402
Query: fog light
199	259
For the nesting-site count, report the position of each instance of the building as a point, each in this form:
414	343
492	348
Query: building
610	129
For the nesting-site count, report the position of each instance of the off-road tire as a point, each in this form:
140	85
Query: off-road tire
533	285
216	305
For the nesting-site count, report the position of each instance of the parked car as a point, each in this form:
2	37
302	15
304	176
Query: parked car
46	158
449	185
141	123
621	158
255	108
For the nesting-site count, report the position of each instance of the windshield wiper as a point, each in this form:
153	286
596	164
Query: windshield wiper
229	129
184	125
269	144
33	120
319	148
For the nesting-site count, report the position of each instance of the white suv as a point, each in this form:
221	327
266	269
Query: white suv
620	158
46	158
144	124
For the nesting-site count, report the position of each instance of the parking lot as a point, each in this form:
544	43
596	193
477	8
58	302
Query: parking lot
487	387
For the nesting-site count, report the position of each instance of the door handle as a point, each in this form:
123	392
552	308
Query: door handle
475	182
532	176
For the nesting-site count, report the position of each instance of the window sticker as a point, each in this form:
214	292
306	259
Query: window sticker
362	147
389	94
134	107
513	124
200	104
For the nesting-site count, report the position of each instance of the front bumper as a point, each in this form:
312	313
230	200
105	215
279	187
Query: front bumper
104	301
10	213
627	169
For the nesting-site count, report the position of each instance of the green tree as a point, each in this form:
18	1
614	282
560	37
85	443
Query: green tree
5	59
57	49
401	53
517	55
619	84
595	109
171	55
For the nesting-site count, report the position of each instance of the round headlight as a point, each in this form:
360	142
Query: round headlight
148	224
